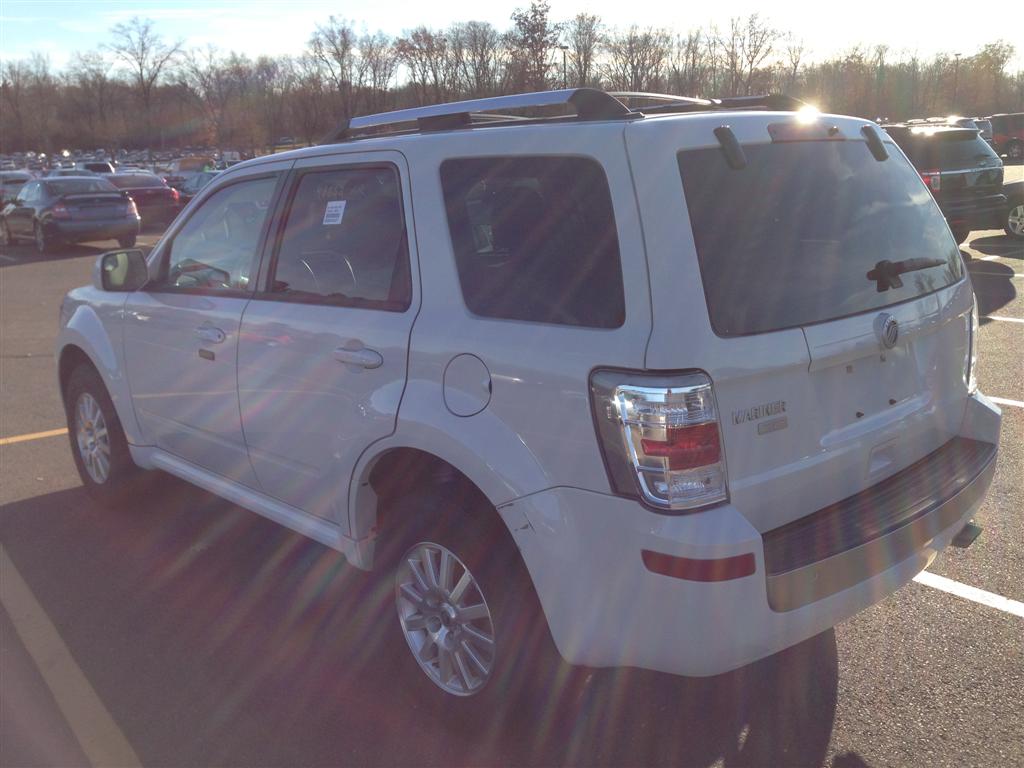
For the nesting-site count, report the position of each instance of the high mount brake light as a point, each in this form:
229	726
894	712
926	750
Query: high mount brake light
660	438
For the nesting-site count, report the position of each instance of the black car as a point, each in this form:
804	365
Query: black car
70	209
157	202
963	172
11	183
194	183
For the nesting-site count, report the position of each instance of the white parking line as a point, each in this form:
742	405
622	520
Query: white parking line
1004	319
1006	401
973	594
98	734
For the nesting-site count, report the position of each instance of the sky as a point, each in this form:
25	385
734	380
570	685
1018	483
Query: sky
57	28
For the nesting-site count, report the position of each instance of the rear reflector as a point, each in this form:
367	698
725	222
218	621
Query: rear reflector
687	568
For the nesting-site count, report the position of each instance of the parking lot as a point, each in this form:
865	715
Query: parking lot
188	631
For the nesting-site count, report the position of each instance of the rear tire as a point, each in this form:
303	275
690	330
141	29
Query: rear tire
479	679
98	443
1014	223
127	242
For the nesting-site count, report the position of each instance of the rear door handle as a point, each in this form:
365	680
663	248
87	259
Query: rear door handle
367	358
210	334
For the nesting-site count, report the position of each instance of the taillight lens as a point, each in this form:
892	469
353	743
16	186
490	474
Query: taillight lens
174	195
971	356
660	438
933	178
60	211
130	208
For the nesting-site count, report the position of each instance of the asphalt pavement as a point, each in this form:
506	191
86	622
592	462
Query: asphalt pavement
187	631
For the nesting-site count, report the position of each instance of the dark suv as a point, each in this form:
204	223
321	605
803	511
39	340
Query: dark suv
962	171
1008	134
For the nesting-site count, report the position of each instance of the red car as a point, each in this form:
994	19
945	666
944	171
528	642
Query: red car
157	202
1008	134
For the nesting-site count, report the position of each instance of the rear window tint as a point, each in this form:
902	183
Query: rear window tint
74	186
535	239
789	239
948	150
136	180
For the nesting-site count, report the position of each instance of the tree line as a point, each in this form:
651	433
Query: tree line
143	90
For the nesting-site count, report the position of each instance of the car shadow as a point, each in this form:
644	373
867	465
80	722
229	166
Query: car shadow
215	636
993	286
999	245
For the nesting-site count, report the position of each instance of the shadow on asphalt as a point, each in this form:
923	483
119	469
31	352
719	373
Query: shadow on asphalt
999	245
993	286
216	637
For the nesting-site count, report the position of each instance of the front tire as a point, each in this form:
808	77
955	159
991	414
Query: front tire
98	443
470	633
1014	224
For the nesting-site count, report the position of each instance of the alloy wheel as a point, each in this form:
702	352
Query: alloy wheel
445	619
1015	220
92	438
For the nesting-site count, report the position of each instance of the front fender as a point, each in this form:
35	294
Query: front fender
484	448
95	329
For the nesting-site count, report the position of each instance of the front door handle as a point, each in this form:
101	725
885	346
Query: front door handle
367	358
210	334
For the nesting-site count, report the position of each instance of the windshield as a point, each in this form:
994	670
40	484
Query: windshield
803	226
135	180
77	186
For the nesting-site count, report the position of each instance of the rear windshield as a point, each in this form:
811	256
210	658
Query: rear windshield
947	150
789	239
78	186
135	180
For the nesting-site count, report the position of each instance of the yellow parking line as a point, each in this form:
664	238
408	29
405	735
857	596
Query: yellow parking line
97	733
33	436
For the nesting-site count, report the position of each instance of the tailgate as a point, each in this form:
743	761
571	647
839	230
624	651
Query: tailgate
836	309
96	206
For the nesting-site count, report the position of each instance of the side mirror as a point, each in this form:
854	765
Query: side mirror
121	271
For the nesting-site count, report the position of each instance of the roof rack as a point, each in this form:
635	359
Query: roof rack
589	103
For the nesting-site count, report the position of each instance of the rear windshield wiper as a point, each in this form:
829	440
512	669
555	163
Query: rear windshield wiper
887	273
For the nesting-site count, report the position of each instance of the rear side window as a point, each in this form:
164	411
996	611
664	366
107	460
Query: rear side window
136	180
791	238
78	186
535	239
344	241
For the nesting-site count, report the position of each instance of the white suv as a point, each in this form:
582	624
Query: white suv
684	386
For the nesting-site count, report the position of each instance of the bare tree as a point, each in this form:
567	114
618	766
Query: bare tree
333	47
375	69
637	58
794	51
426	53
757	41
479	61
147	57
213	84
583	34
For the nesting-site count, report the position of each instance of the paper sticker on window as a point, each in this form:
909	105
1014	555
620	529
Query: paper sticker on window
335	210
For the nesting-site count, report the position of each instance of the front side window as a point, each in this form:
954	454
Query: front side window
216	248
535	239
344	241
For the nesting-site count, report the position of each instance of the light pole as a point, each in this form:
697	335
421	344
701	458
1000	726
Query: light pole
565	79
956	77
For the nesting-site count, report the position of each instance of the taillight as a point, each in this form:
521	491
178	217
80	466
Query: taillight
130	208
971	354
174	195
933	178
60	211
660	438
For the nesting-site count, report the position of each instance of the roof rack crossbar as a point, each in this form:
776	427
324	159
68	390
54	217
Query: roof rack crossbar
589	103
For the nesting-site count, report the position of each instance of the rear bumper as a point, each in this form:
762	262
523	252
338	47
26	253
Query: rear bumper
102	229
605	608
979	213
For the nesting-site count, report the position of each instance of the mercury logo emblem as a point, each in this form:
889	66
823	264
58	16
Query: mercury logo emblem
888	330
